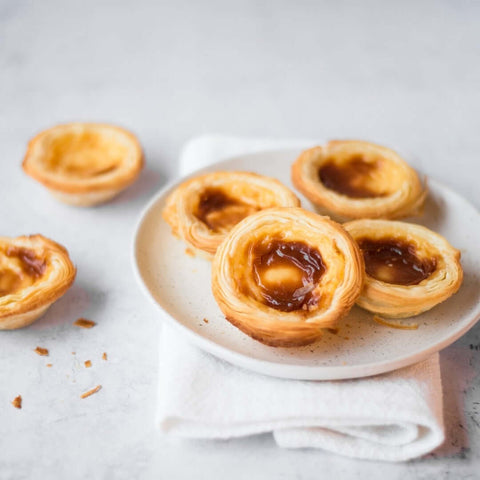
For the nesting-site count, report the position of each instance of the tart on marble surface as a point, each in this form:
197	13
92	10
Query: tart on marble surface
205	208
408	268
283	275
356	179
84	164
34	273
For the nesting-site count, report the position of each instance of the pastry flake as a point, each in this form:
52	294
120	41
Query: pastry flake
205	208
84	164
355	179
285	274
91	392
34	273
408	268
43	352
84	323
17	402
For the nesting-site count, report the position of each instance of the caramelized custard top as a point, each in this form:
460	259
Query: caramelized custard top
30	269
219	211
350	178
394	261
287	273
83	155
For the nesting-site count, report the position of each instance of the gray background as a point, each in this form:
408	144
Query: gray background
403	74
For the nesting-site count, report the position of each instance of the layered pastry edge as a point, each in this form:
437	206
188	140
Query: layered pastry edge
34	272
409	268
202	210
241	296
351	179
84	163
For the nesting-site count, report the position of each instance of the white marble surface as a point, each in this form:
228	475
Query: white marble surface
405	74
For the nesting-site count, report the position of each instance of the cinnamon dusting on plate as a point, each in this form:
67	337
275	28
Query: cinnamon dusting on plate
17	402
88	363
104	356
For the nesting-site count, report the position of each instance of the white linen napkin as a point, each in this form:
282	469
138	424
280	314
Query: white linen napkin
393	417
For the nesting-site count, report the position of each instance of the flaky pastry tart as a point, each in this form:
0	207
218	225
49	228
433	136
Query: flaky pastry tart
408	268
204	209
284	274
84	164
34	273
355	179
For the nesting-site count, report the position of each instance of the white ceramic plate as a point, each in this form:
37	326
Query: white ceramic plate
180	286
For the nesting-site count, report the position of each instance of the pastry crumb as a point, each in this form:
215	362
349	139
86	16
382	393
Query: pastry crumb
84	323
91	392
333	331
104	356
43	352
189	252
205	320
396	323
88	363
17	402
49	365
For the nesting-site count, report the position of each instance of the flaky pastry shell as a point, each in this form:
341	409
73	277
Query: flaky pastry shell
284	274
84	164
203	209
355	179
432	266
34	273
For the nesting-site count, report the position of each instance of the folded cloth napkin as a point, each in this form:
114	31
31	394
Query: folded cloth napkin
393	417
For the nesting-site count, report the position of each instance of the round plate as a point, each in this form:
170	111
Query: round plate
180	286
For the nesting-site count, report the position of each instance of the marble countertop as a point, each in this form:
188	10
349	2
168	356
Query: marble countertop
406	75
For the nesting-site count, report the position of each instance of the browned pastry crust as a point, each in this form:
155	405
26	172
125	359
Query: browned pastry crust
84	163
203	209
355	179
34	273
284	274
409	268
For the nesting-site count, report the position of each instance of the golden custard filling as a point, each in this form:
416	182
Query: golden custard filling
83	155
219	211
395	261
287	274
360	175
19	268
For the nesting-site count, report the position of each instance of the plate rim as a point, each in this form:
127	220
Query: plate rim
270	368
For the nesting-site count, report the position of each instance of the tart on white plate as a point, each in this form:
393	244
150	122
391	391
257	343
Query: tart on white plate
350	179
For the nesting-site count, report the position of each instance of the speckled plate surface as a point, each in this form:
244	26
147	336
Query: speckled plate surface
180	286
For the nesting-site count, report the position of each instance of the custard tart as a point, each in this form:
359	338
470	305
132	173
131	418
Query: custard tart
408	268
84	164
283	275
355	179
34	273
204	209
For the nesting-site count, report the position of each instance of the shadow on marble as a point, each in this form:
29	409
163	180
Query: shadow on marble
150	180
74	304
